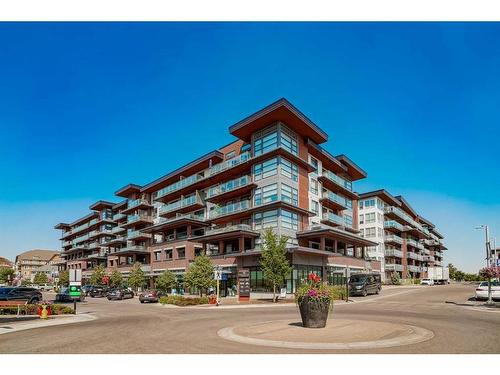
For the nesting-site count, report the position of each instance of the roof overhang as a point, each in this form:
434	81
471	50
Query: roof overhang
187	170
62	226
226	235
100	205
283	111
336	234
406	206
328	160
426	222
85	218
173	224
382	194
127	190
122	204
353	169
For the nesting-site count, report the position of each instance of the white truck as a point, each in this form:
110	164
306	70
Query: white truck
440	275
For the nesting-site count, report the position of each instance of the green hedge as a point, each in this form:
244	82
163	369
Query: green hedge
33	310
183	301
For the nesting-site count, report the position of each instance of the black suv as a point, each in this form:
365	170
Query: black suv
364	284
30	295
98	291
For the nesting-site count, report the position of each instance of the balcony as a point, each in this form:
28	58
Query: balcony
415	256
410	242
393	253
336	183
228	164
229	209
130	249
393	267
190	203
392	225
80	239
135	219
119	216
334	201
66	243
136	204
414	268
393	239
179	185
333	219
117	229
94	245
398	214
136	234
115	241
429	258
229	228
230	189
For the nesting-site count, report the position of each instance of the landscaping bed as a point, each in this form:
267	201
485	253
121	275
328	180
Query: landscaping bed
32	309
183	301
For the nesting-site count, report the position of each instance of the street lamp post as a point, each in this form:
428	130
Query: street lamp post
487	243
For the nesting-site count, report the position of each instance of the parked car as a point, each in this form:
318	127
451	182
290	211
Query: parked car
427	282
99	291
120	293
482	290
63	296
31	295
86	289
151	296
364	284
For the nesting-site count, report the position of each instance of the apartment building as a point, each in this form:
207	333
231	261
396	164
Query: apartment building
5	263
29	262
275	174
407	243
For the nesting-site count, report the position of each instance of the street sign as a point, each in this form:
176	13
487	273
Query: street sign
75	276
75	291
218	274
498	262
244	284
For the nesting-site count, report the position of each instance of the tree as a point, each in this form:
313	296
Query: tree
395	279
136	278
273	261
200	274
453	271
64	278
116	279
165	281
40	278
6	275
97	275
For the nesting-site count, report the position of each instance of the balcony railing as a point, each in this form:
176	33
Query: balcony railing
330	216
415	256
335	198
411	242
228	164
137	233
133	248
414	268
186	202
393	253
229	186
337	179
394	238
200	217
179	185
80	239
429	258
393	267
399	212
393	224
117	229
229	209
137	202
119	216
230	228
134	218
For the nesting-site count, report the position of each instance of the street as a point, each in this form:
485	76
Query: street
131	327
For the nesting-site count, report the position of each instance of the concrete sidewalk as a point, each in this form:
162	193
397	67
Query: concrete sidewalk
22	325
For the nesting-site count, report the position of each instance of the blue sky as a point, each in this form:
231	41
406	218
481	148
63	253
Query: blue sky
86	108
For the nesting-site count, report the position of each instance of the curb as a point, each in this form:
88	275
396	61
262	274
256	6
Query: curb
26	325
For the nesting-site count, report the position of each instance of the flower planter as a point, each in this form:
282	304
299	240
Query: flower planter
314	311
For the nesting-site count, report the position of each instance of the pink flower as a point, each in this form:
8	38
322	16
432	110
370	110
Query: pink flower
312	293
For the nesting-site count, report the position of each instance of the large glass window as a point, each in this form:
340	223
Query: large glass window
266	219
289	220
266	194
289	195
289	169
265	169
289	142
313	186
265	143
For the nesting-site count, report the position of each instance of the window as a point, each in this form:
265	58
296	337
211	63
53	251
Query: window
181	252
266	194
314	163
380	232
266	219
370	232
361	218
362	232
168	254
266	142
289	169
230	155
348	220
369	203
315	207
361	204
313	186
370	217
289	220
289	142
289	195
157	255
266	169
198	251
246	147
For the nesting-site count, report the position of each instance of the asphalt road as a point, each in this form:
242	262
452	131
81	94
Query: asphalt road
130	327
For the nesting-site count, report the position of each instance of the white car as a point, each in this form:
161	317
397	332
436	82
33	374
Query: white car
482	290
427	282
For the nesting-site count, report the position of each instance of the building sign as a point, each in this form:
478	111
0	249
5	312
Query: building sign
244	283
75	290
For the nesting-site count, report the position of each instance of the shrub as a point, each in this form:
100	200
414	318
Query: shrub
33	309
395	280
417	281
183	301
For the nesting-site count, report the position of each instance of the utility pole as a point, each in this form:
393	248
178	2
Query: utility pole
487	244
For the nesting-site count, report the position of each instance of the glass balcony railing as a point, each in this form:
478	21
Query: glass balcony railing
393	224
337	179
133	218
414	268
117	230
186	202
393	253
335	198
393	267
330	216
137	233
229	209
229	228
228	164
137	202
228	186
200	217
119	216
414	256
394	238
179	185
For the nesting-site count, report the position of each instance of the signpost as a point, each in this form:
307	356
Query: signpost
218	277
75	286
244	284
347	276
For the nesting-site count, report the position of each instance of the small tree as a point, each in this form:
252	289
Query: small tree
116	279
64	278
136	278
165	281
395	279
40	278
98	275
273	261
200	274
6	275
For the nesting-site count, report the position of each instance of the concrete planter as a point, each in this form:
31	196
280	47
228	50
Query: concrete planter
314	312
